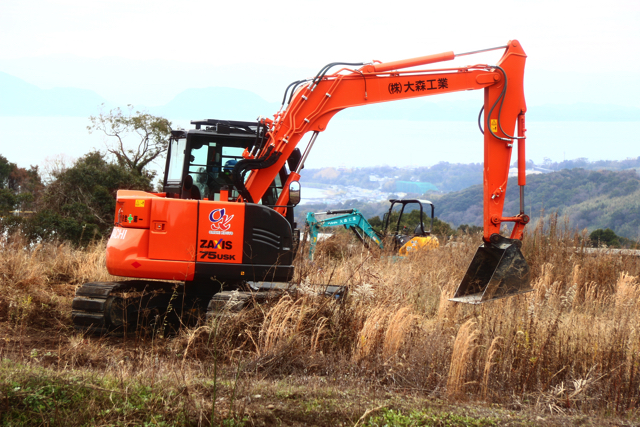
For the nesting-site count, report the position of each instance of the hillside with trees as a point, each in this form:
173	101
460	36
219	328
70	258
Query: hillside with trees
589	199
446	177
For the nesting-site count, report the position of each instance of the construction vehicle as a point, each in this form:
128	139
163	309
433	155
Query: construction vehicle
407	239
351	219
225	217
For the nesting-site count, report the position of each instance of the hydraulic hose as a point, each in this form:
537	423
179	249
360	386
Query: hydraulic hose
295	84
294	89
501	100
326	68
243	166
323	71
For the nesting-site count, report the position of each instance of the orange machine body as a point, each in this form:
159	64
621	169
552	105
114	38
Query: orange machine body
174	239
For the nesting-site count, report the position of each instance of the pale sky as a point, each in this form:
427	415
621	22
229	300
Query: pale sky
578	51
585	37
556	34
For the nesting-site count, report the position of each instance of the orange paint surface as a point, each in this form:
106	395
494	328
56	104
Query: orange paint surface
173	229
315	103
133	208
127	256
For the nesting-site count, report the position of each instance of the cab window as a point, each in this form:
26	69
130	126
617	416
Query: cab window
211	167
176	160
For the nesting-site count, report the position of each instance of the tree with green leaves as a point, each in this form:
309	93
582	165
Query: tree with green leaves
151	134
7	197
607	237
79	204
19	190
18	186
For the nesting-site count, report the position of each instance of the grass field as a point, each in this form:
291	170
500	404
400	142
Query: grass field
394	352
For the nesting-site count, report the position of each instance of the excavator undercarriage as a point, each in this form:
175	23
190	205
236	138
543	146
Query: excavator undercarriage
148	306
127	306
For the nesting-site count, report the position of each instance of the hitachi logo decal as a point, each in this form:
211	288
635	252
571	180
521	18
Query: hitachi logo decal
119	233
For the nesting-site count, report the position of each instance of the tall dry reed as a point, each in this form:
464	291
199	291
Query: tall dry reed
571	344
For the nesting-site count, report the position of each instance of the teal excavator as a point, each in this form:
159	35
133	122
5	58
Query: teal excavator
404	241
351	219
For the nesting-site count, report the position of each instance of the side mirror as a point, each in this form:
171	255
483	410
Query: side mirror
294	193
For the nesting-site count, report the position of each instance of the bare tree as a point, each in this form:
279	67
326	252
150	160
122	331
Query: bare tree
153	133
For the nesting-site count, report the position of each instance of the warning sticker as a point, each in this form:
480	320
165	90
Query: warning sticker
494	129
139	203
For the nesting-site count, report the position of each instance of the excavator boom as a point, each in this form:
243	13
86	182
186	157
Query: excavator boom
316	101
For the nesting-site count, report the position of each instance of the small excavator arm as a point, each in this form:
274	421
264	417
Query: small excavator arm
351	219
498	269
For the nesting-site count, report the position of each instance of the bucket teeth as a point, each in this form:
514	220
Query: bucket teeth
498	270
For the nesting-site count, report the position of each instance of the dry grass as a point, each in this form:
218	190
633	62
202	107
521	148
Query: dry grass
571	346
463	349
37	281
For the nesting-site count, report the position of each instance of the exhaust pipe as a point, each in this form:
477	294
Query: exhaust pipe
498	270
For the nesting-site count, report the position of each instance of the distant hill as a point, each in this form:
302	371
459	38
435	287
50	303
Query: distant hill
19	98
428	109
446	177
589	199
216	103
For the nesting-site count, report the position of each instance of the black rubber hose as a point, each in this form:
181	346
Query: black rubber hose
297	82
293	91
317	78
501	100
260	136
245	165
326	68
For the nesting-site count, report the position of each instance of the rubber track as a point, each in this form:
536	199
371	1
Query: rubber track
235	301
121	307
101	307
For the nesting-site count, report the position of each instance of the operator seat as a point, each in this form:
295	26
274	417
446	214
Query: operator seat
418	230
190	191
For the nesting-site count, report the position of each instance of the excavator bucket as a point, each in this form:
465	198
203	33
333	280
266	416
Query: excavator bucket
498	270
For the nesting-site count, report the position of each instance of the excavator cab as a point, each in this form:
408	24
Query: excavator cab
201	162
411	230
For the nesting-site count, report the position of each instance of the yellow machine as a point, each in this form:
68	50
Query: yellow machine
404	240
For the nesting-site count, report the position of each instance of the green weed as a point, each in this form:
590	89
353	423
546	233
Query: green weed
391	418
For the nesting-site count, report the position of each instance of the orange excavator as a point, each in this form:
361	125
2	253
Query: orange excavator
225	218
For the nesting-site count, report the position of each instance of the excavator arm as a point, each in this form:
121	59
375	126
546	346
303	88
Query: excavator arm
316	102
498	269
